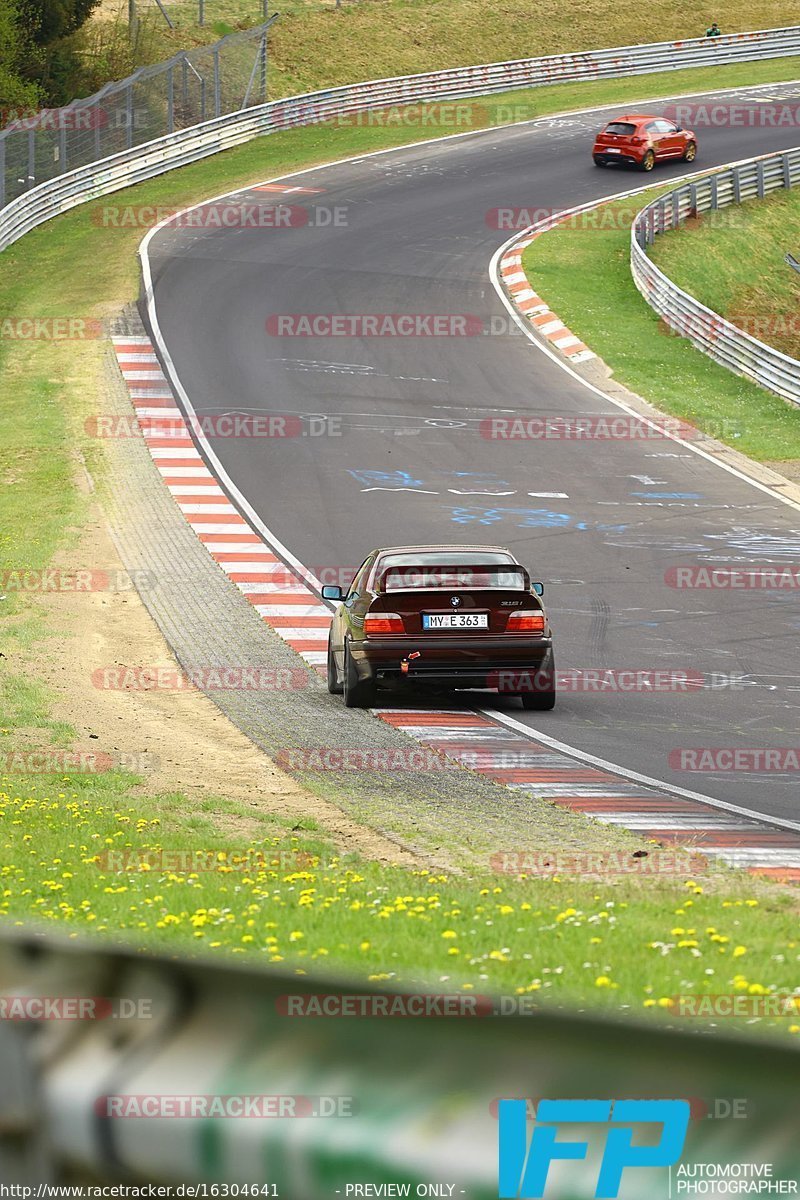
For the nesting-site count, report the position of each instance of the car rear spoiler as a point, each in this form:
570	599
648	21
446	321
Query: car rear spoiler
454	577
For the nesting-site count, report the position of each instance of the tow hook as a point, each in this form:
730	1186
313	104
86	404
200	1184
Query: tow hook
406	662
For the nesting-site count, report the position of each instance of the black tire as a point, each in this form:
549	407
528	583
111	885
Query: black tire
690	153
357	692
544	698
648	162
598	162
334	686
539	701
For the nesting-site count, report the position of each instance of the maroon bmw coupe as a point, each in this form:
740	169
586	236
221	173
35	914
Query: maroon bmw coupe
441	616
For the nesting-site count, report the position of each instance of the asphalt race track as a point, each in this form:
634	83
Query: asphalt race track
404	459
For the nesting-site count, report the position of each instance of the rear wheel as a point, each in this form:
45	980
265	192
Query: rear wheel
334	686
690	153
358	693
598	162
543	697
648	162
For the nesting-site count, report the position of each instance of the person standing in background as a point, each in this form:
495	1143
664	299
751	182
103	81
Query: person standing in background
714	30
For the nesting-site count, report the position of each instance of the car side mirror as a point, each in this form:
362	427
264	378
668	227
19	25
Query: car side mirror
537	589
679	129
332	592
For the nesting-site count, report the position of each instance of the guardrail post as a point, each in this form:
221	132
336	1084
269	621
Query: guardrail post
693	199
171	100
787	170
760	189
217	88
737	185
676	209
714	192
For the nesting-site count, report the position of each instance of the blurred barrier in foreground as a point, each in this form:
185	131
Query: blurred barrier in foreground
721	340
411	1100
35	201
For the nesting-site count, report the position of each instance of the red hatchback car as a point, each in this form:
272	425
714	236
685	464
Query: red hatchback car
643	141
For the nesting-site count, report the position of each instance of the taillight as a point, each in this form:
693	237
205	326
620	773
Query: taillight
525	622
383	623
638	141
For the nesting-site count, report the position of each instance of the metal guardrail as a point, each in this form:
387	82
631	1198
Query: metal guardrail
708	331
134	163
408	1098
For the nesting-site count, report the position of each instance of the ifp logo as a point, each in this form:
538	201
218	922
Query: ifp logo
524	1169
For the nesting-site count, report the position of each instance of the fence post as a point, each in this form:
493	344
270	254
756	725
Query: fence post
201	14
129	117
97	118
263	52
31	176
217	88
2	170
62	146
171	99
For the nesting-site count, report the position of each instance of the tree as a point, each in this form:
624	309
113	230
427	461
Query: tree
49	21
17	93
54	62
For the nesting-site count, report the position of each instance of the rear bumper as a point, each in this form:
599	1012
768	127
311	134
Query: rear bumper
452	662
627	157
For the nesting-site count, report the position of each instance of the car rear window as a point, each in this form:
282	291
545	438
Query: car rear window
623	127
411	577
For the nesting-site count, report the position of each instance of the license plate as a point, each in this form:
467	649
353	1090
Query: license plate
455	620
612	150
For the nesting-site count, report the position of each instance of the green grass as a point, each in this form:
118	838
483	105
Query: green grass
584	274
51	829
733	262
314	45
91	859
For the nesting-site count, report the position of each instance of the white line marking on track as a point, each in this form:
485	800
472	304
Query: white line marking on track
636	776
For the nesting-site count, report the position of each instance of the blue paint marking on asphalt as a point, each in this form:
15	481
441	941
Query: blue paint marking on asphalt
398	478
524	518
669	495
